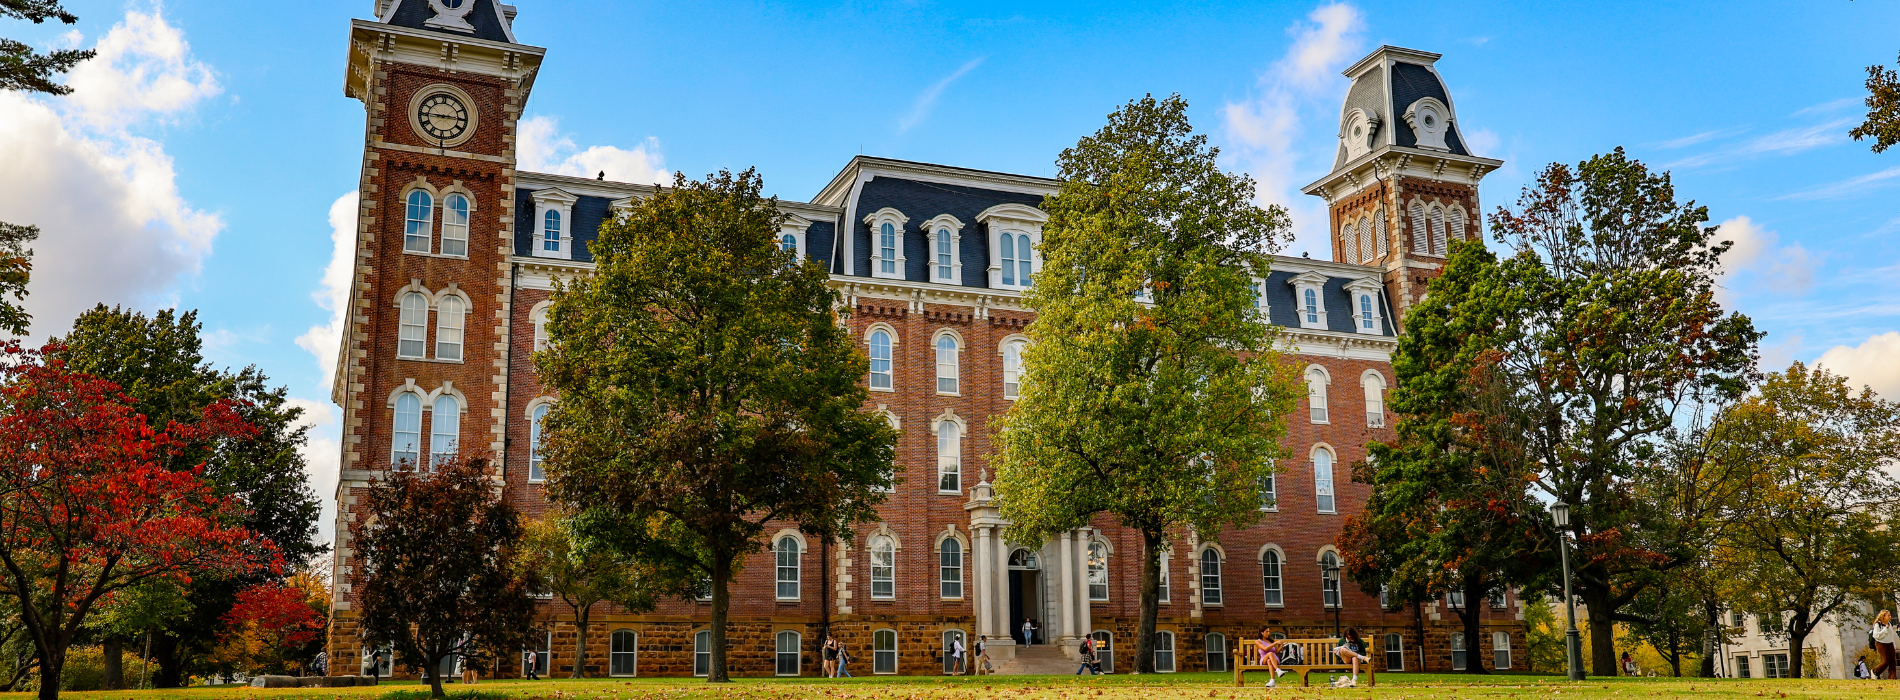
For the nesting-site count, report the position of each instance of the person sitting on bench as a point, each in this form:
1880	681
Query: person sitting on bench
1354	648
1266	653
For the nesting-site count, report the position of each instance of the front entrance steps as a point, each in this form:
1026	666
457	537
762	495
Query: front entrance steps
1039	660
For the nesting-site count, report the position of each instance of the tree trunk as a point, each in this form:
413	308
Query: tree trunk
580	645
113	651
1711	636
1602	633
1150	602
1475	643
52	664
171	666
1798	629
433	673
722	569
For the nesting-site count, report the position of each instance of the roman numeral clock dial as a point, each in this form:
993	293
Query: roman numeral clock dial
443	117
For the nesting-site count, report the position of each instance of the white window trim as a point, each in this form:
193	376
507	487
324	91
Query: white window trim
936	366
892	334
1108	587
1261	559
697	652
1316	282
897	424
1273	507
1265	307
1366	382
429	230
468	310
1339	578
1325	393
870	559
931	227
1366	119
1495	649
798	649
553	199
1016	219
1174	651
1162	581
963	432
963	564
795	226
1367	287
533	450
876	221
1002	351
798	564
635	653
1432	137
895	651
442	226
538	317
1332	477
1220	577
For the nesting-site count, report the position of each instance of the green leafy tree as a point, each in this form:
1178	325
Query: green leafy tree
1154	394
1613	331
1672	620
1815	528
1883	109
706	389
1544	634
24	70
583	577
1449	511
439	577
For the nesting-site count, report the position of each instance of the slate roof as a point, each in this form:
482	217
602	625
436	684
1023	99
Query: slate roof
486	17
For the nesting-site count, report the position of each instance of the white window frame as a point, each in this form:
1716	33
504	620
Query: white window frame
1460	654
1104	649
1325	497
702	639
1500	650
795	226
949	453
411	223
537	413
780	569
614	654
1457	223
1215	656
779	653
1012	352
890	360
1329	580
396	453
1311	316
1095	565
1261	306
1318	402
954	367
562	202
1367	253
1014	219
412	319
932	228
1211	582
434	408
1373	383
1273	576
1162	579
886	547
879	655
948	638
950	568
1392	653
453	231
1379	239
1167	648
1421	232
1270	489
876	220
1368	317
1435	214
450	338
1349	242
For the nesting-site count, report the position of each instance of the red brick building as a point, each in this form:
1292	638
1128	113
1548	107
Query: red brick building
458	253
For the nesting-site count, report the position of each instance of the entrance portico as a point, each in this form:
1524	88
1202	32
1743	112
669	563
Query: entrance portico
1016	581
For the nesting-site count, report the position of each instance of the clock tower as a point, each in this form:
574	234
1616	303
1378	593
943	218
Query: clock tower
422	368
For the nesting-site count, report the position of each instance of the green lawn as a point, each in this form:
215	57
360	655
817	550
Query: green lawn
1411	686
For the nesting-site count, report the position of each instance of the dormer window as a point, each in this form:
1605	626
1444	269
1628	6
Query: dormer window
1430	121
791	235
1366	312
1310	306
946	246
1359	132
1015	231
1309	293
887	243
554	221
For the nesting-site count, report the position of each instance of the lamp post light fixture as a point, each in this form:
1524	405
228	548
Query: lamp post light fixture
1573	642
1329	575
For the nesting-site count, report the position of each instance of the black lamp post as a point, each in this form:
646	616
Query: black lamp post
1573	642
1329	572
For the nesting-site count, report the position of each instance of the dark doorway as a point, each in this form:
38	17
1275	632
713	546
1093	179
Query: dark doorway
1025	595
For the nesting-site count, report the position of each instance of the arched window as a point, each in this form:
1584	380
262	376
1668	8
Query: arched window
1500	650
949	457
1023	271
946	254
883	568
702	653
1378	231
951	638
788	242
946	364
1375	400
1438	231
1329	579
449	319
1270	490
884	651
887	248
1215	644
1367	319
1457	651
1457	223
406	432
1270	577
1210	577
1098	571
1349	242
624	654
788	653
1104	649
1366	251
1394	652
1310	305
539	317
1006	248
412	333
1012	369
455	225
535	421
787	554
950	568
543	653
551	231
1323	479
419	217
1316	394
880	360
1421	233
1164	651
444	429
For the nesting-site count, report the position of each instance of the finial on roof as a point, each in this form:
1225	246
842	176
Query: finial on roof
602	176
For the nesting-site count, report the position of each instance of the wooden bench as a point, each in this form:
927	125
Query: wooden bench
1317	654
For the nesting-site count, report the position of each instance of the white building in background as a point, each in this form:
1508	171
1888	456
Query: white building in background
1758	646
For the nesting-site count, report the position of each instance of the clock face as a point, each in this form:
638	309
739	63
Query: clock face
442	117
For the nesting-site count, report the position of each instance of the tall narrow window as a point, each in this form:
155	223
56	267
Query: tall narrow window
1329	579
1394	652
406	432
1270	577
1163	597
1366	251
1215	644
419	217
1421	233
1367	320
1164	652
1375	401
444	429
1259	298
702	653
949	457
455	225
1323	479
1349	243
788	243
1455	599
1438	231
787	644
1023	271
946	364
887	248
786	552
551	231
1316	394
1457	651
1311	305
950	568
946	254
1104	649
535	422
1012	369
1006	249
884	651
1210	577
880	360
883	567
449	319
1269	490
1378	231
624	656
1098	571
1457	223
1496	596
412	334
1500	650
951	638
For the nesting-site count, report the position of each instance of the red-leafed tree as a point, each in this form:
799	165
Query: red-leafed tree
87	507
271	624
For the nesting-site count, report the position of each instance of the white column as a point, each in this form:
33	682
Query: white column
979	573
1067	608
999	581
1082	602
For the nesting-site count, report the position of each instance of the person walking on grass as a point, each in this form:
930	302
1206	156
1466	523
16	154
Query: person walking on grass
1884	639
980	657
844	661
1088	658
528	665
1354	648
956	655
830	654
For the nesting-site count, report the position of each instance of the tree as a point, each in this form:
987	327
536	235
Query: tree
706	389
1673	620
1156	395
1449	512
158	361
583	577
22	69
1613	331
1543	634
439	577
271	629
1815	525
86	509
1883	109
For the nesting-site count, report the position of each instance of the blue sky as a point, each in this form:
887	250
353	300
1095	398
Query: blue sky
201	162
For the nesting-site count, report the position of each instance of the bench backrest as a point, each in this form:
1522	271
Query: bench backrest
1313	652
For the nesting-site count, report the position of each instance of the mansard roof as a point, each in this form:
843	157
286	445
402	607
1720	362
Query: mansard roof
480	19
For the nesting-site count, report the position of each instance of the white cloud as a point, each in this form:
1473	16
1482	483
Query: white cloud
542	148
1483	142
1757	251
1850	187
113	227
1263	131
321	457
1694	139
1782	143
921	108
322	454
1873	363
